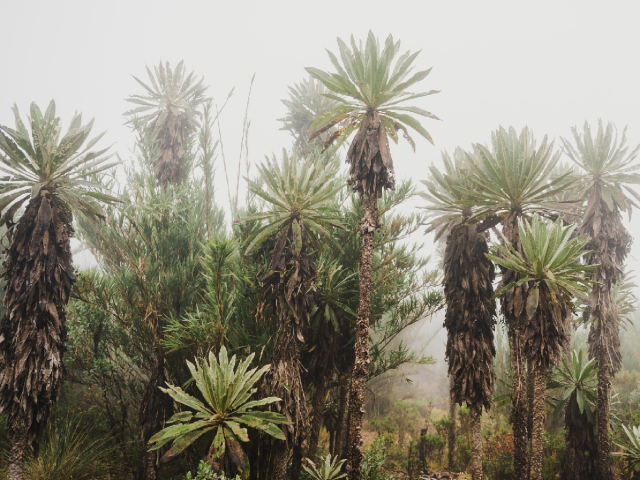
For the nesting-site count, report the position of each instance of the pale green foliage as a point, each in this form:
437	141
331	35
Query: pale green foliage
551	257
607	164
306	102
170	93
65	166
624	298
367	79
333	286
226	391
631	449
516	173
205	472
329	468
374	460
70	451
448	194
298	190
576	375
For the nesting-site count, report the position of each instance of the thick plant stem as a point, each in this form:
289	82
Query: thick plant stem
476	442
604	411
296	461
519	409
280	460
530	396
568	467
539	385
316	422
343	419
451	434
16	456
360	369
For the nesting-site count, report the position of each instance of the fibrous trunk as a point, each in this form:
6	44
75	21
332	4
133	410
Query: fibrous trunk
318	402
16	456
581	444
451	434
539	385
513	309
604	412
343	419
360	369
38	271
470	314
476	442
469	320
155	409
280	458
610	243
170	136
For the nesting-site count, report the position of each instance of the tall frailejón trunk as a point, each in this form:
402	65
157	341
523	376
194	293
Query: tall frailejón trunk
38	271
513	308
530	396
581	443
476	442
544	334
343	419
451	434
368	226
603	415
539	385
155	410
318	401
469	320
16	455
610	243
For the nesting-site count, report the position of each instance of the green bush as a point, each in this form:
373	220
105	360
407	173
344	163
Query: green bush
497	461
432	447
553	454
205	472
443	425
374	460
463	453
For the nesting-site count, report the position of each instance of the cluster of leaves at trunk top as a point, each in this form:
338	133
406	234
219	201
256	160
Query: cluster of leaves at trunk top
168	113
551	267
371	91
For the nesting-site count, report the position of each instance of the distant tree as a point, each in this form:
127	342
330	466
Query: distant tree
512	180
468	287
608	173
306	102
56	178
168	113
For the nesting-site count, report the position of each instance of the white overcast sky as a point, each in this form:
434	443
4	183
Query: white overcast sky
546	64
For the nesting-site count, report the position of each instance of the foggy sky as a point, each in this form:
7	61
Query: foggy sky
546	64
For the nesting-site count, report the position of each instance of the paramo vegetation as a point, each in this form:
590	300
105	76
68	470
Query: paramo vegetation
199	345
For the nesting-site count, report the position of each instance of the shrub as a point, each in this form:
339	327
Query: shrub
497	461
432	447
443	425
374	459
205	472
463	453
70	450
